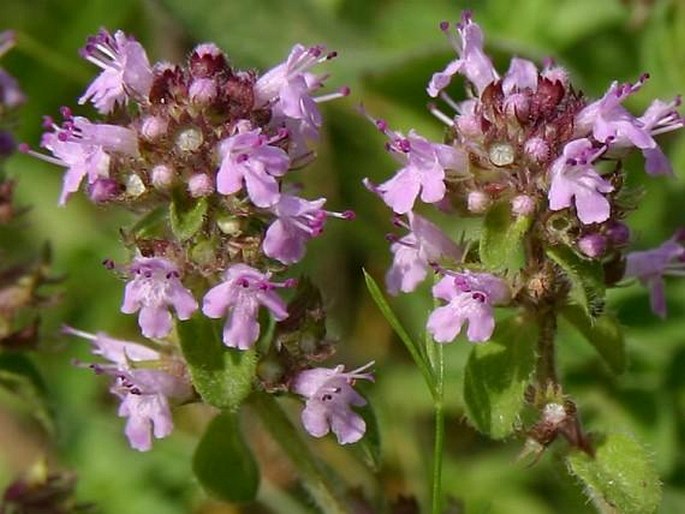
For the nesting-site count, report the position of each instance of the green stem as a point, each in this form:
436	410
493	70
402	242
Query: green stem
546	366
439	443
279	425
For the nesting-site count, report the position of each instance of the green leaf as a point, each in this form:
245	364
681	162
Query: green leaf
186	215
415	350
501	247
497	374
223	376
604	333
223	463
620	479
586	278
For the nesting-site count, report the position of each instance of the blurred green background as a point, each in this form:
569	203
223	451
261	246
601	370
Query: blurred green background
387	52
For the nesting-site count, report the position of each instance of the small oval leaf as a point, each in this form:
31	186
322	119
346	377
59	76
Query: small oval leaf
223	376
604	333
223	463
497	374
586	278
501	247
620	479
186	215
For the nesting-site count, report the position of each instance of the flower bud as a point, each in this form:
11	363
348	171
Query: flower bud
162	177
593	245
477	202
189	139
517	105
206	60
103	190
536	149
618	233
229	225
556	74
501	154
469	126
199	185
153	127
202	91
522	205
134	185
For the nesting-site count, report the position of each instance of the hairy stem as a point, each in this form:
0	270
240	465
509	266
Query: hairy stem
546	365
438	363
282	430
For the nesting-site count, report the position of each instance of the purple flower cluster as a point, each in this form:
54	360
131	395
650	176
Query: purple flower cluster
212	147
529	142
205	132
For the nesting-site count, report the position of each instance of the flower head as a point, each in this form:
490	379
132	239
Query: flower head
650	266
238	298
154	288
470	297
414	253
248	158
329	397
126	70
144	380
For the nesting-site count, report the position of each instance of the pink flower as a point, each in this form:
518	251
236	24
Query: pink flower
424	171
329	401
126	70
112	138
238	298
84	148
470	297
288	88
154	288
610	122
247	158
81	160
472	61
298	220
574	180
650	266
145	382
425	244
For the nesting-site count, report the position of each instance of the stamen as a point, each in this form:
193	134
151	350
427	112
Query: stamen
440	115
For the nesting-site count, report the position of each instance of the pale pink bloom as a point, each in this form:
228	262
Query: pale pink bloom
329	400
238	299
